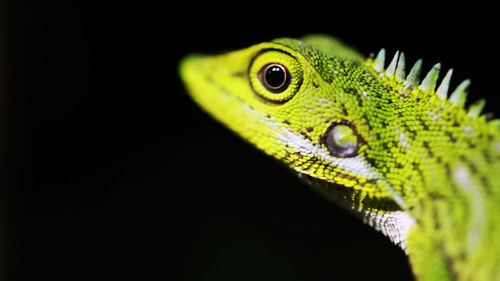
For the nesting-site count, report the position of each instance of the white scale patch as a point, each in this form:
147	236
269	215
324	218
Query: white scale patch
394	225
462	178
403	139
435	116
468	130
497	146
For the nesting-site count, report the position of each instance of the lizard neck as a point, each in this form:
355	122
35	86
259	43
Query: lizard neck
447	169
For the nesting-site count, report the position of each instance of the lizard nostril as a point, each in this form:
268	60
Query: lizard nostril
342	141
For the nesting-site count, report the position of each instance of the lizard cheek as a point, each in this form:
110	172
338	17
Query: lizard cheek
342	141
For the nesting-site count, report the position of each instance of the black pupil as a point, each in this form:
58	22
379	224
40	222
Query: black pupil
275	76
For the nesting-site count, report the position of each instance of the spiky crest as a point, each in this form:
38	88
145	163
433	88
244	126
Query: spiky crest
397	69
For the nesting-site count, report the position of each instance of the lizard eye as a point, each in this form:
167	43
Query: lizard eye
275	77
342	141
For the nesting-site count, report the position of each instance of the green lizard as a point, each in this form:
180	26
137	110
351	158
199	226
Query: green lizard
411	161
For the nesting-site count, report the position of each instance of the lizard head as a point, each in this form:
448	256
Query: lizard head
299	101
334	117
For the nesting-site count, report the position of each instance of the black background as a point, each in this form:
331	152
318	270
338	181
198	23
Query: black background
111	172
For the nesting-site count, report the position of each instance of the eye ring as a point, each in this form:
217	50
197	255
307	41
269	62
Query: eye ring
286	83
275	77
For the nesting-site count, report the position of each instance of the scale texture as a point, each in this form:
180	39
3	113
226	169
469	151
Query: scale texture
406	156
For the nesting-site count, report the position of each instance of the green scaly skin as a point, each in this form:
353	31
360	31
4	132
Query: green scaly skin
426	171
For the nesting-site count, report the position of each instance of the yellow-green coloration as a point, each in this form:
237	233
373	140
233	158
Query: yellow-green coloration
411	162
